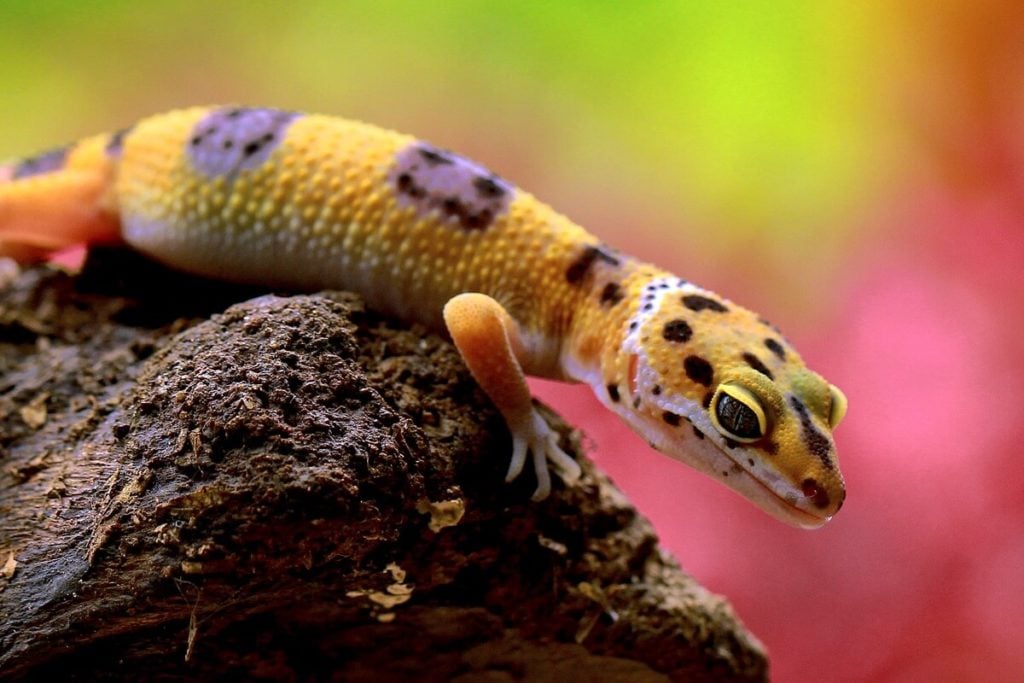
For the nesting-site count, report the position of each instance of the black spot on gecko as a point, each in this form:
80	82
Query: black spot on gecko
770	447
47	162
730	444
236	139
697	303
478	221
488	187
677	331
254	146
817	443
671	418
775	347
699	370
406	185
434	156
706	401
452	207
580	267
459	190
696	432
656	390
115	145
636	402
612	294
613	393
755	362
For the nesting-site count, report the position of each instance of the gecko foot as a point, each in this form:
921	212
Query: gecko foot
542	443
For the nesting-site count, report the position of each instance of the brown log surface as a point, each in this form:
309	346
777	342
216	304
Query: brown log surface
293	487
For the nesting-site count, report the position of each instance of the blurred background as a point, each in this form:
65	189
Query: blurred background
853	171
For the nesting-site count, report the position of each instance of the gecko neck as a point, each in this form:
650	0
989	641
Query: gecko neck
592	350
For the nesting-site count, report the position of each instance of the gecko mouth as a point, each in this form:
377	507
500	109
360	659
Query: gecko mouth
781	508
757	491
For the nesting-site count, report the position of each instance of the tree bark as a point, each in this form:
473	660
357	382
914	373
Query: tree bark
296	488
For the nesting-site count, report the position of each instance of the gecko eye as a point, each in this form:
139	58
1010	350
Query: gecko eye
738	414
838	410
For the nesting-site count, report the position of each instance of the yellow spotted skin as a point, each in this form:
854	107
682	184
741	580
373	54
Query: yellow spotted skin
309	202
323	201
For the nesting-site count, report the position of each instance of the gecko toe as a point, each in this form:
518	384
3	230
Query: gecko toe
520	444
542	443
568	469
540	466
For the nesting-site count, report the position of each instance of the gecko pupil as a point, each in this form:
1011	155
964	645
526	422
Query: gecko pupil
737	418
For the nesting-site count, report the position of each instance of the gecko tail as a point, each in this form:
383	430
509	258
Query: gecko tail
55	201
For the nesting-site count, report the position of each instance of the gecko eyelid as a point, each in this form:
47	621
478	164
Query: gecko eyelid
838	410
738	414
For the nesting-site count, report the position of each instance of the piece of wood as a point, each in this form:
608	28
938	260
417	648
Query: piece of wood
297	488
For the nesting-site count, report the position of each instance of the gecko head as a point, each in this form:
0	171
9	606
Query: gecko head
712	385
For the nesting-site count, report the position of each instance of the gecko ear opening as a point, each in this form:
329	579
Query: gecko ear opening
839	404
738	414
631	374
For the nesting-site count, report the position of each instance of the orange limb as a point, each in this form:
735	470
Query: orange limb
52	210
45	213
492	346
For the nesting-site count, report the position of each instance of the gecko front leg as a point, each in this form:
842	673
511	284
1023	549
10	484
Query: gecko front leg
490	342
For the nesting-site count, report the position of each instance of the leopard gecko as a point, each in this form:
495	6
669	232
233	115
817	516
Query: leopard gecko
308	202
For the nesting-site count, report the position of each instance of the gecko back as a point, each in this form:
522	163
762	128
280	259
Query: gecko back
308	201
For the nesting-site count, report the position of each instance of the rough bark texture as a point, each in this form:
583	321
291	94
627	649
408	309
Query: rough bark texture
295	488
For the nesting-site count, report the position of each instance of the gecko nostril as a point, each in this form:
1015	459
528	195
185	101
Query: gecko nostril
816	492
